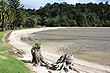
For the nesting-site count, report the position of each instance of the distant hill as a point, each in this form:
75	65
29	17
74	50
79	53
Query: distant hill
84	15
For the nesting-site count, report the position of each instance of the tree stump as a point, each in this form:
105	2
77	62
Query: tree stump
65	62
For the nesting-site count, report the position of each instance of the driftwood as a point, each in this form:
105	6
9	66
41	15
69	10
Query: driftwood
65	62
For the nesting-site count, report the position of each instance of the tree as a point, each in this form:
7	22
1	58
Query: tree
11	17
20	20
72	23
30	22
48	22
16	8
90	14
81	20
108	15
3	10
107	23
64	21
56	21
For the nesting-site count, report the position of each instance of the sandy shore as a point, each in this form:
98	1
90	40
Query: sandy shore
90	44
83	66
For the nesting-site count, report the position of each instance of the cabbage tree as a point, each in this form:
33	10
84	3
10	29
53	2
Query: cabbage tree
3	10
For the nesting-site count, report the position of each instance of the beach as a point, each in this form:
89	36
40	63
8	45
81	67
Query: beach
91	44
76	41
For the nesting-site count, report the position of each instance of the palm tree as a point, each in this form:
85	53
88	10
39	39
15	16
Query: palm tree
0	12
3	10
10	17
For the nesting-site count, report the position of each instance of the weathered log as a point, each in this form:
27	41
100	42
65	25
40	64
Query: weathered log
65	62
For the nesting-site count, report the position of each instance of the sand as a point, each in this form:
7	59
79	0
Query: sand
83	66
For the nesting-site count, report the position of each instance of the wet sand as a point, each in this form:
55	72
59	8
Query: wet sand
90	44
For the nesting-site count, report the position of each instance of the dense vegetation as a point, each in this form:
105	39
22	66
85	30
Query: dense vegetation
64	14
14	15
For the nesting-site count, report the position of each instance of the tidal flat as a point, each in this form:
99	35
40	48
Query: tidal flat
90	44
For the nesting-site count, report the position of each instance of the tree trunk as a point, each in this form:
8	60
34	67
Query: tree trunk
65	62
3	23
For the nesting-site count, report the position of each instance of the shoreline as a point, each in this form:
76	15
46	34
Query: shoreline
15	40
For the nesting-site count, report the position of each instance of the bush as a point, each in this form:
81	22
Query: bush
30	22
107	23
72	23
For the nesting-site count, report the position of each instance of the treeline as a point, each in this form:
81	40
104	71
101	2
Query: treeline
83	15
13	15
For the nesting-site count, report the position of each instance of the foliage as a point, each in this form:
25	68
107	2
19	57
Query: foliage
107	23
63	14
55	15
39	39
3	11
12	13
37	45
16	8
30	22
72	23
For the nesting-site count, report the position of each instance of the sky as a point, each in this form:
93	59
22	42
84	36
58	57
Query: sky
36	4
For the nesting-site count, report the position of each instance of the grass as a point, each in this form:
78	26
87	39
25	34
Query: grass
3	33
1	36
5	48
9	64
